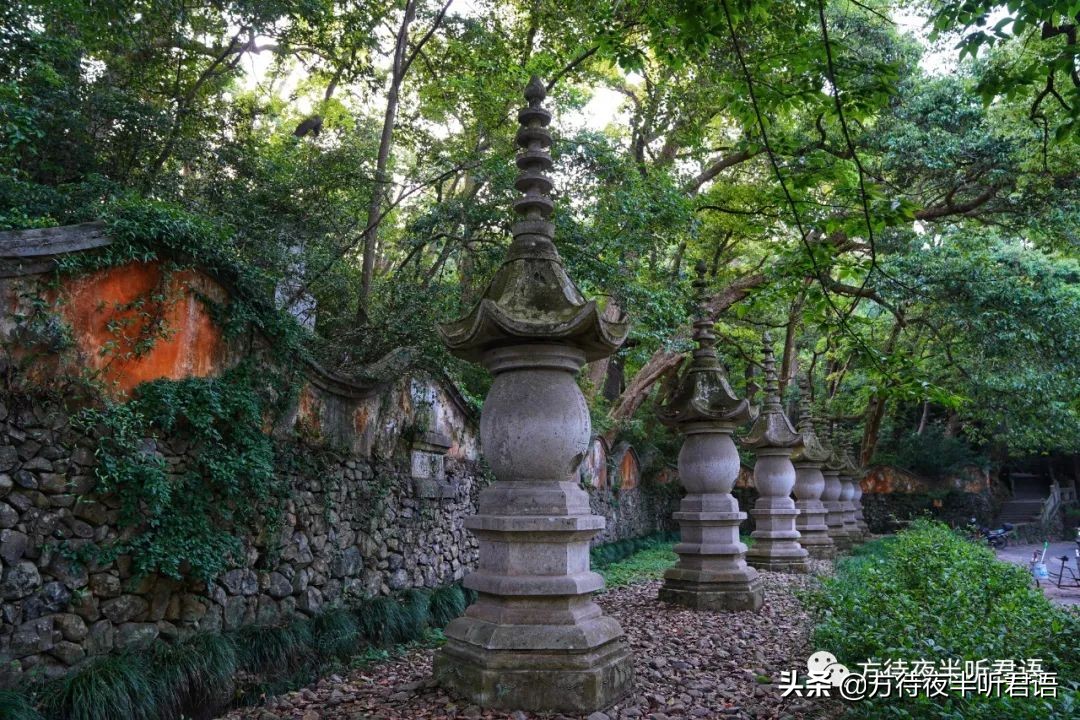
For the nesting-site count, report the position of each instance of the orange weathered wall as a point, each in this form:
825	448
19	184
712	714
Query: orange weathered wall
110	311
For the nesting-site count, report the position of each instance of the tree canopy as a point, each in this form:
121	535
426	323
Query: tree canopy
892	187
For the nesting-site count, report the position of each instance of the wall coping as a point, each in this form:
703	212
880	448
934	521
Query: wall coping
36	251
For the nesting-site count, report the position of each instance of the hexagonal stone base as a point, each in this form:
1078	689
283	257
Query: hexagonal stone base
821	552
778	564
552	681
714	596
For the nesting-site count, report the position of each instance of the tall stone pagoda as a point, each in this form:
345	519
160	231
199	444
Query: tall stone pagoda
776	541
534	640
810	483
712	572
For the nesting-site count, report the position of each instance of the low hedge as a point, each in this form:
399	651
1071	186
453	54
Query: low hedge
211	671
929	594
608	553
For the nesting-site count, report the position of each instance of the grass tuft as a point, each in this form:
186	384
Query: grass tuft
195	672
282	648
14	705
106	688
447	603
336	634
384	621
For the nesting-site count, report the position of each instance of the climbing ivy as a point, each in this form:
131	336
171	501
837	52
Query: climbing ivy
188	519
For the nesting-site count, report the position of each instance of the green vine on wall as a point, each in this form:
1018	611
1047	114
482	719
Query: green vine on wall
189	519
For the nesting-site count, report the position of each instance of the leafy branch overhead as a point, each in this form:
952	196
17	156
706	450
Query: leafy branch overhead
893	187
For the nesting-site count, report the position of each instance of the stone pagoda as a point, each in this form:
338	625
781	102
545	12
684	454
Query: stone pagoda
849	473
776	541
810	483
860	519
830	496
712	572
534	639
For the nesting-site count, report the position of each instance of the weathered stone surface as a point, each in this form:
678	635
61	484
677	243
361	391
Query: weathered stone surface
13	545
534	639
776	541
105	585
69	653
71	626
101	638
711	573
240	582
19	580
136	634
124	608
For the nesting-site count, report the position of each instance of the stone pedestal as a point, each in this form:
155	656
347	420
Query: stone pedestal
813	532
860	519
847	492
834	509
534	639
712	573
776	541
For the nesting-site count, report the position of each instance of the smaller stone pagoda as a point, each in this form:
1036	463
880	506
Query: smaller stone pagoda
776	541
830	497
810	483
712	572
849	473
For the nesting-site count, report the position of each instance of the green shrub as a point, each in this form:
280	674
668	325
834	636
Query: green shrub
194	672
336	633
15	705
928	594
446	604
384	621
106	688
275	649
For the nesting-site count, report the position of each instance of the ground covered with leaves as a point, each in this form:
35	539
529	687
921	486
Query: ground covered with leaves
687	664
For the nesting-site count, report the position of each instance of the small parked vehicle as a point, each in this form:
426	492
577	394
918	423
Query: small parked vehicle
996	538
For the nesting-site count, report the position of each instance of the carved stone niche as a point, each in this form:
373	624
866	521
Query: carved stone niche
429	466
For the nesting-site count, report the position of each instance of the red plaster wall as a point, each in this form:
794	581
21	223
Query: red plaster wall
97	306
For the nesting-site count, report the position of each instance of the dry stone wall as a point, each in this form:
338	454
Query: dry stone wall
358	527
381	508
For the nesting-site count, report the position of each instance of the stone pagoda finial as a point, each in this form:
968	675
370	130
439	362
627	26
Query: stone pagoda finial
812	450
776	541
534	639
531	298
703	393
772	429
810	483
712	572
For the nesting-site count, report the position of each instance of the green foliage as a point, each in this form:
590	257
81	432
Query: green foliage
612	552
15	705
336	633
932	454
646	564
386	621
192	520
929	594
194	673
447	603
117	686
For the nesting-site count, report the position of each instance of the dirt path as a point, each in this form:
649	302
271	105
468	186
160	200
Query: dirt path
688	664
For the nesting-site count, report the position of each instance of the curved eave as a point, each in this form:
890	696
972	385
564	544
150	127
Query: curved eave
489	326
772	430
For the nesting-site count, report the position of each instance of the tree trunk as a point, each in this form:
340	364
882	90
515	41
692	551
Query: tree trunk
925	417
371	231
